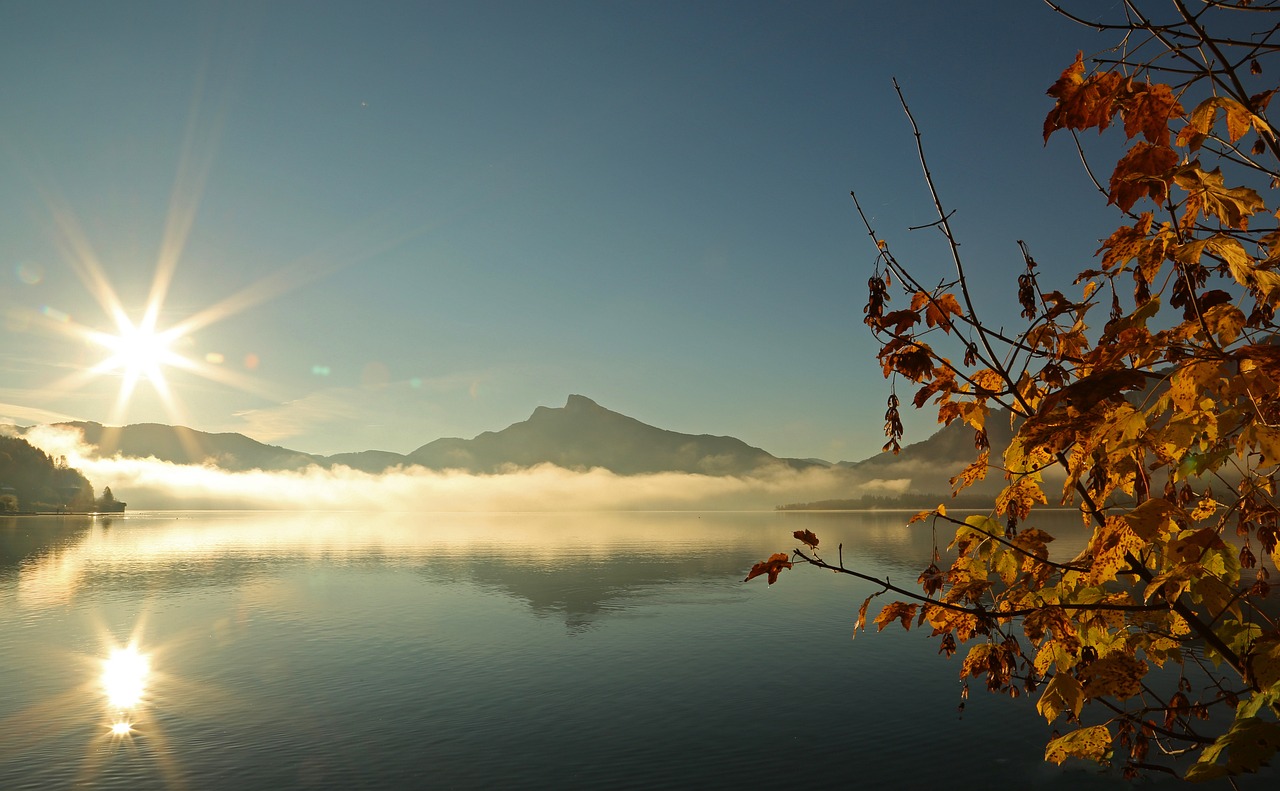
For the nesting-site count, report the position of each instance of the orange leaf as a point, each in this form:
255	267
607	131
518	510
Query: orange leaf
898	611
1082	103
1143	171
807	537
771	567
1149	111
1127	243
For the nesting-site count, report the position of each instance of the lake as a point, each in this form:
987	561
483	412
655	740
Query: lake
399	651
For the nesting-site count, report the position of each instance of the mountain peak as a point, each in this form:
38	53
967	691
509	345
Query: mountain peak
580	402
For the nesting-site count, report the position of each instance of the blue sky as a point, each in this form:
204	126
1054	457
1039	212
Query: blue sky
426	219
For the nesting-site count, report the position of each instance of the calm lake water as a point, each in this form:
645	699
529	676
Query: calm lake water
389	651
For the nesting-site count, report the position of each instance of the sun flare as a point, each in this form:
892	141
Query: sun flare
138	351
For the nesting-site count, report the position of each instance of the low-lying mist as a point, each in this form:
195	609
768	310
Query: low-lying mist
151	484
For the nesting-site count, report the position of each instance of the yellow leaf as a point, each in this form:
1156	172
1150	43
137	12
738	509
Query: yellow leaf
1116	676
1110	547
1092	744
1225	321
1153	518
1062	693
1052	655
1266	441
1208	195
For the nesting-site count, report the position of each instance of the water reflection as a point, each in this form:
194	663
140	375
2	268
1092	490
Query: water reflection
397	651
124	677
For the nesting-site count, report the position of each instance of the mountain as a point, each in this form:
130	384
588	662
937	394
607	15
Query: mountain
182	445
582	434
925	468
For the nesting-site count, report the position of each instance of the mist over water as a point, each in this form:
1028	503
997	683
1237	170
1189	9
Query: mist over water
154	484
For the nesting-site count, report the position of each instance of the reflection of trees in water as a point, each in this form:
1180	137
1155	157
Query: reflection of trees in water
31	537
582	589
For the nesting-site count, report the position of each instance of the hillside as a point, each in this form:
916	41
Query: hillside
36	482
182	445
582	434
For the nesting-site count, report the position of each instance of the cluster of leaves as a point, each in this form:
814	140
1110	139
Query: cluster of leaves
1162	423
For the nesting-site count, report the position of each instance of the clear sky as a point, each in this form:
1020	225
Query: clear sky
397	221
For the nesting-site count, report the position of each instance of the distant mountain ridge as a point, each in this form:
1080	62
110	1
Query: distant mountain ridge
582	435
578	436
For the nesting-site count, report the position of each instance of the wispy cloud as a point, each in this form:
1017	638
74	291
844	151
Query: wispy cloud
17	414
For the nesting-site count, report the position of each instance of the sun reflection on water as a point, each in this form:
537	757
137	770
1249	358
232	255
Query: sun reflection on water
124	677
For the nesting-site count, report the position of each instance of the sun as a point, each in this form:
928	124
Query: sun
139	351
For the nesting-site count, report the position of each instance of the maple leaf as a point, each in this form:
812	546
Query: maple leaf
1083	102
1092	744
807	537
1063	693
1148	112
1115	675
900	320
897	611
1248	745
771	567
937	310
1127	243
1239	119
1143	172
971	474
1207	194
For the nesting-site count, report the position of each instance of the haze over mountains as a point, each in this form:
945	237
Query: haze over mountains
581	436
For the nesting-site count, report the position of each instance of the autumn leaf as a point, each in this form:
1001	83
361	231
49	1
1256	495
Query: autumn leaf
771	567
1062	693
1116	676
1208	195
1248	745
1264	664
1149	111
1092	744
1265	440
1143	172
897	611
1127	243
1083	103
972	473
807	537
937	310
1153	518
861	622
1238	118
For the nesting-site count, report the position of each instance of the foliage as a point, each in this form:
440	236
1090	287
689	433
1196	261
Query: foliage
37	482
1160	420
